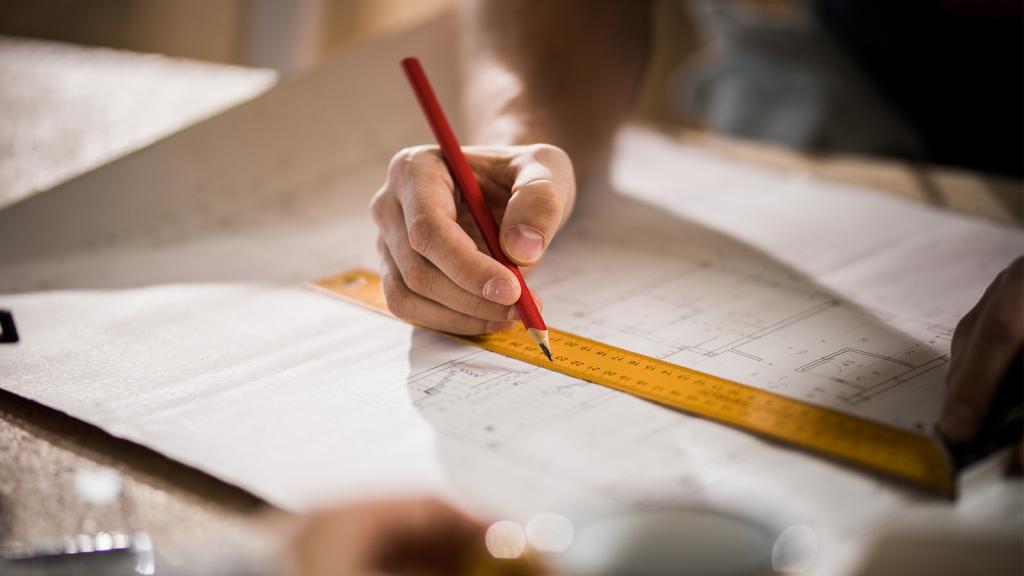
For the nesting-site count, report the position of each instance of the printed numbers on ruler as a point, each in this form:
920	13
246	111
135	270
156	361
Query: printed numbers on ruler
899	453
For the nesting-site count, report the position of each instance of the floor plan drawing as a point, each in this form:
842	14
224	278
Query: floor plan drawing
869	374
751	321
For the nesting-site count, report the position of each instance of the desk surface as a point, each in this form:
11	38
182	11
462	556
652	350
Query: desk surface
42	450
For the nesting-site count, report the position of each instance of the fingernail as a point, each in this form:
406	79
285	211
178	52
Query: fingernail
957	422
524	243
499	290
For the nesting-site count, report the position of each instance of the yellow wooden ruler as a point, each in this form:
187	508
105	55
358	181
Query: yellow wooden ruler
915	458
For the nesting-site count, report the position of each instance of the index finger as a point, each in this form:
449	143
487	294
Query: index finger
427	195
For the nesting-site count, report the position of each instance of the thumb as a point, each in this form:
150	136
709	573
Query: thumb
536	210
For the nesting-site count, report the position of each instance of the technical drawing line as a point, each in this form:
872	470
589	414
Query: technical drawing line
781	324
868	393
830	357
751	356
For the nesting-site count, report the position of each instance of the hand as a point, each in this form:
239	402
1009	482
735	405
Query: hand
985	343
435	269
424	537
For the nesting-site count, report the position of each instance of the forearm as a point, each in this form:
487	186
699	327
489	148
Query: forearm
562	72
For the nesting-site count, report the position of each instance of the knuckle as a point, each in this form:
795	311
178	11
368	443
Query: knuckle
394	296
479	308
421	233
548	154
485	309
408	159
418	278
377	204
399	306
400	160
545	203
462	274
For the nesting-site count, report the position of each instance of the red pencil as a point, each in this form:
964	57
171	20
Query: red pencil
470	189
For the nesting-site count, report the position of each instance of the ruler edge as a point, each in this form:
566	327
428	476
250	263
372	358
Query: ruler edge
946	486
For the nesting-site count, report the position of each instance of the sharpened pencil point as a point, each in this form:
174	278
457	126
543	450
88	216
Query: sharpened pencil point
541	338
546	352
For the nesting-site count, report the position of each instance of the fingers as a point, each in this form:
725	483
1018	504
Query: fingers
543	192
984	345
434	270
426	195
421	276
413	535
427	536
427	519
412	307
430	536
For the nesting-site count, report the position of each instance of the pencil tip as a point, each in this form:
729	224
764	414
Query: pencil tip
541	338
546	351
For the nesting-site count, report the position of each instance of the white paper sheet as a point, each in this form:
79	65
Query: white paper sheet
160	298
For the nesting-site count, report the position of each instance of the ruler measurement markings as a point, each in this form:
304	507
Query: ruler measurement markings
900	453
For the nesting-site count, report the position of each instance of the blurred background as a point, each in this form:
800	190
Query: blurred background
285	36
936	83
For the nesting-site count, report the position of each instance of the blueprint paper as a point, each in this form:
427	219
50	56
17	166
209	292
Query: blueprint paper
164	303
